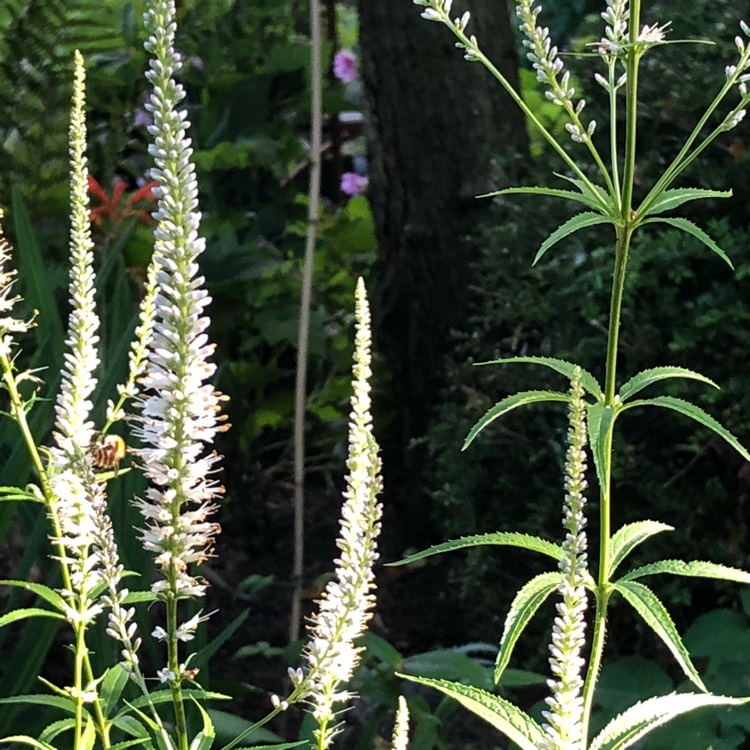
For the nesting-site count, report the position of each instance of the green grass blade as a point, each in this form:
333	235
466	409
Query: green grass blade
628	537
647	377
503	538
525	604
508	404
516	725
655	615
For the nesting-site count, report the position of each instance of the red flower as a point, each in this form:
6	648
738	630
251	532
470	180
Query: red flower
114	209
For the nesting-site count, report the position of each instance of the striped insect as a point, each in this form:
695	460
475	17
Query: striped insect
107	451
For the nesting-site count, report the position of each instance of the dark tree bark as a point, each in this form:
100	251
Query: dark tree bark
441	131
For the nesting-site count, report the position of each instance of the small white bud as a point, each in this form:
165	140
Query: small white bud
601	80
745	28
447	6
579	107
431	14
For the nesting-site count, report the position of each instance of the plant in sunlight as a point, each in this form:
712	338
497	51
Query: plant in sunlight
606	192
174	413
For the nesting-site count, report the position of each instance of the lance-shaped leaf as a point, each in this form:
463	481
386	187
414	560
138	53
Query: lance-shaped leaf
588	381
25	613
574	224
595	192
670	199
696	413
693	229
633	725
647	377
587	199
526	602
516	725
599	422
628	537
692	568
42	591
655	615
508	404
506	538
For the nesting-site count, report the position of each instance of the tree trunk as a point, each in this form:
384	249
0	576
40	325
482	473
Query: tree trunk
441	131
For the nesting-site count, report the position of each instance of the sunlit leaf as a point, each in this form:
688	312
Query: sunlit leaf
627	538
634	724
692	568
655	615
588	381
696	413
508	404
647	377
526	602
516	725
503	538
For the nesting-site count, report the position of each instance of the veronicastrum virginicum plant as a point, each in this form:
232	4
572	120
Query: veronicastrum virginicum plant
608	198
176	420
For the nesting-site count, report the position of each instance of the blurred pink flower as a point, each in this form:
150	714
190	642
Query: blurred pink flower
345	66
353	183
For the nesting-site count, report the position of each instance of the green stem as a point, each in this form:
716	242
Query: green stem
622	247
173	662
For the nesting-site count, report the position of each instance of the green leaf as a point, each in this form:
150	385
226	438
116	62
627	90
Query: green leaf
25	612
22	739
16	494
670	199
205	738
692	568
588	381
697	232
655	615
526	602
647	377
572	195
38	699
516	725
635	723
503	538
508	404
447	664
598	423
696	413
42	591
574	224
594	192
628	537
114	682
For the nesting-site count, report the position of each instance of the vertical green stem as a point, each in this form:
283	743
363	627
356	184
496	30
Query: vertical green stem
173	663
622	247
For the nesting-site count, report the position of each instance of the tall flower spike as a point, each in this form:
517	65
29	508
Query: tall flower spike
616	30
74	428
345	607
400	739
564	719
77	494
179	415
